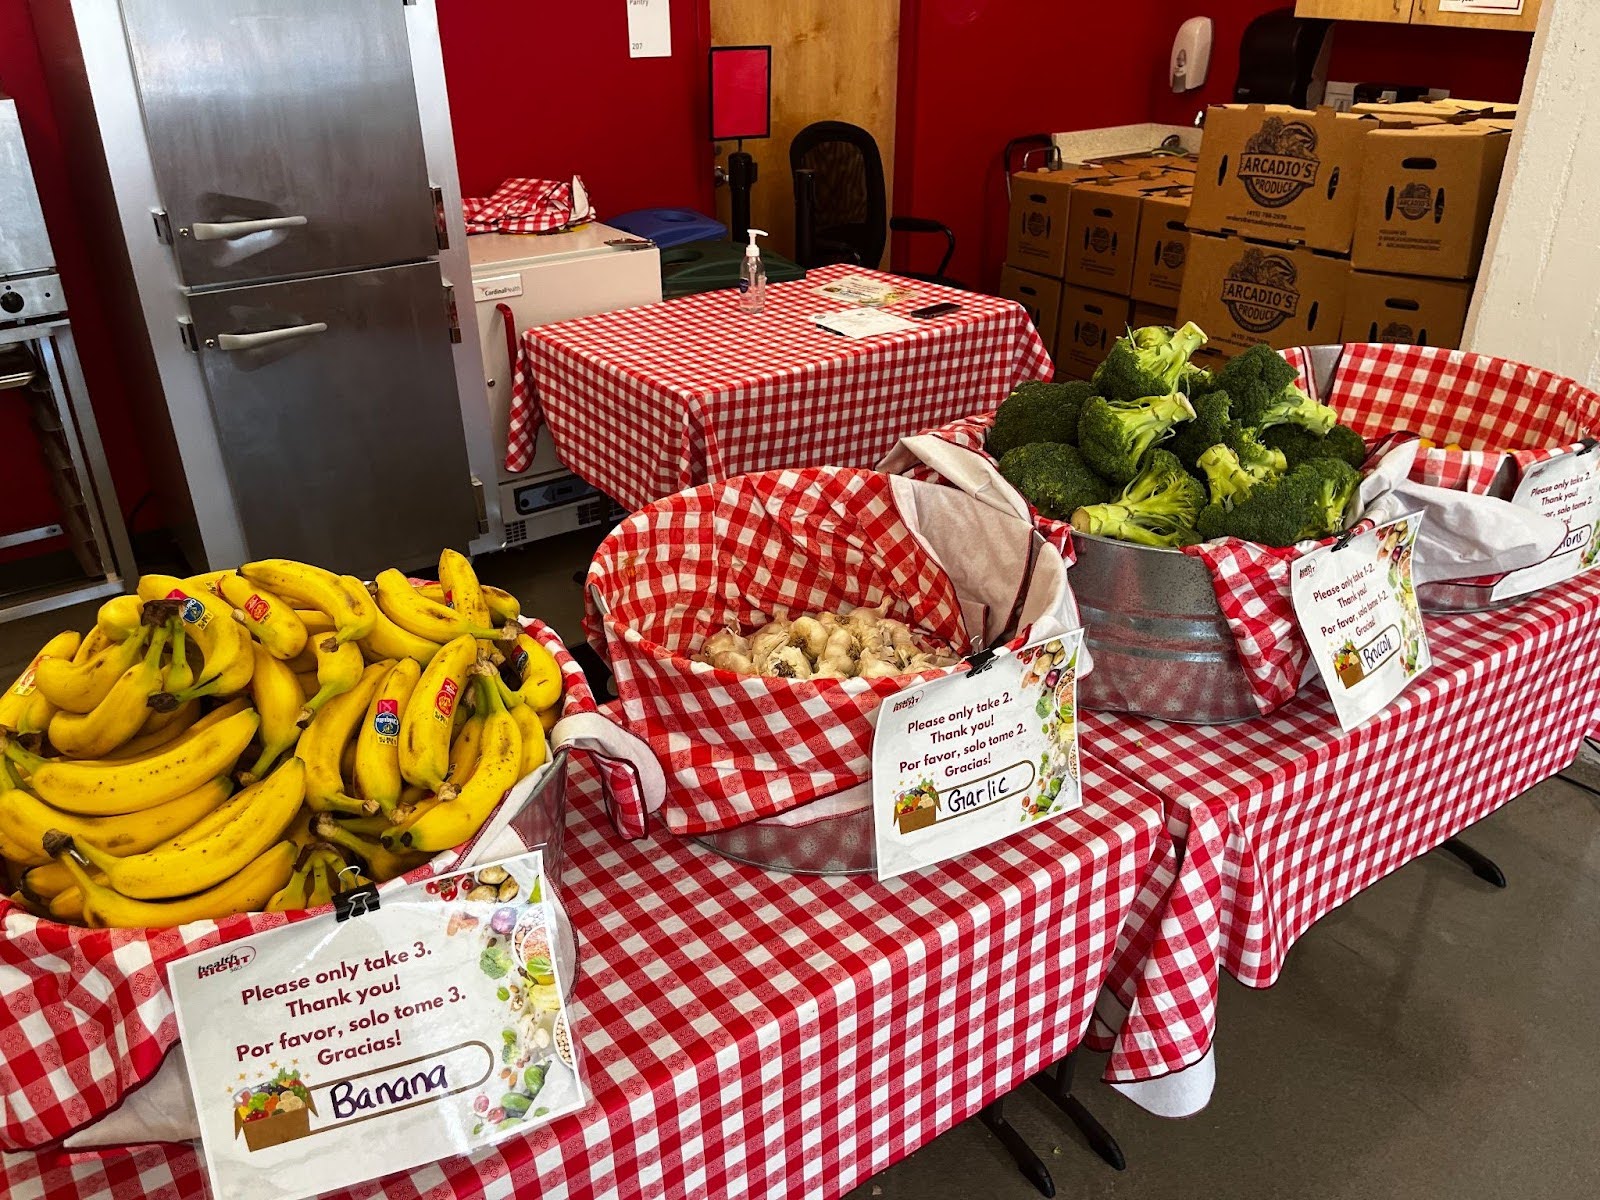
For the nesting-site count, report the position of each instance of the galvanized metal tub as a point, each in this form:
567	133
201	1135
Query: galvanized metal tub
837	845
1461	596
1161	646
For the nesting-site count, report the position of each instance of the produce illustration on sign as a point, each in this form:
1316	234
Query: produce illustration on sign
965	760
1279	162
1259	290
430	1025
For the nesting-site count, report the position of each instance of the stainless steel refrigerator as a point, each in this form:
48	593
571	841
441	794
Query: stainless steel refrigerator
271	187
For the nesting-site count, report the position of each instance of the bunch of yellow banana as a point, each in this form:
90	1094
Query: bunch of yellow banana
266	737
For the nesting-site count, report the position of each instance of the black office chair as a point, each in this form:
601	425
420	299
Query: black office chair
840	209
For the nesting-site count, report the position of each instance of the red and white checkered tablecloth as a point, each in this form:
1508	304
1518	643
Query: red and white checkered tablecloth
647	401
755	1034
1283	818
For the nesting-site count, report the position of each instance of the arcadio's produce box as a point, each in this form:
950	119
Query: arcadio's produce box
1396	308
1243	292
1280	174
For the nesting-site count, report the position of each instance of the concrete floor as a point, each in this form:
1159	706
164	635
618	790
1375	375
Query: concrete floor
1433	1038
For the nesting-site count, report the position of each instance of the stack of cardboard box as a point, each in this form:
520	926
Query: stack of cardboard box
1095	248
1314	227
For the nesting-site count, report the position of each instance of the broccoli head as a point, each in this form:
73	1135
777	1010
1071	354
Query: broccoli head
1157	509
1054	478
1114	434
1211	425
1039	412
1197	381
1226	480
1299	444
1260	369
1308	502
1147	362
1258	459
1291	406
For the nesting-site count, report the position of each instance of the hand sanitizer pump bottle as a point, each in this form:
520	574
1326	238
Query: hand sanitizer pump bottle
752	277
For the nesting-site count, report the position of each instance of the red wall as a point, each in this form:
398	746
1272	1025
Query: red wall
25	498
977	73
547	90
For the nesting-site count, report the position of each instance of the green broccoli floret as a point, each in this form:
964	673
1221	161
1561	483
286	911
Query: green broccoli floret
1258	459
1197	381
1291	406
1157	509
1037	411
1114	434
1308	502
1211	424
1226	480
1299	444
1258	373
1147	362
1054	478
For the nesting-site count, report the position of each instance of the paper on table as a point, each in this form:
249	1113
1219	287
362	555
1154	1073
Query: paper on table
863	322
864	290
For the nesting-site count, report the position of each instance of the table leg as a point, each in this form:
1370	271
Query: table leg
1482	865
1058	1086
1028	1162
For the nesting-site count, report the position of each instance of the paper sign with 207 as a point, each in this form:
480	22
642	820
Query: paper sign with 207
1357	606
968	759
1565	489
330	1052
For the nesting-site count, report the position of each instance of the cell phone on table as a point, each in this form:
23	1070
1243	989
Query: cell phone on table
934	310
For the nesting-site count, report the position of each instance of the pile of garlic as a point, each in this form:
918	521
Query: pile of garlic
861	644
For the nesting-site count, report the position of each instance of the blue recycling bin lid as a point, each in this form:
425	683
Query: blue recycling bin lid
669	226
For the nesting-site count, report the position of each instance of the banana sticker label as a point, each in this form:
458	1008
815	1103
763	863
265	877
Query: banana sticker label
386	722
256	608
445	701
192	611
25	685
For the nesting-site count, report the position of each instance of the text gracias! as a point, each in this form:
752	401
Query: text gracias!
1351	592
954	761
346	1098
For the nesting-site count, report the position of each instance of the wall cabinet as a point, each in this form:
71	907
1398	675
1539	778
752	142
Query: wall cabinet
1417	12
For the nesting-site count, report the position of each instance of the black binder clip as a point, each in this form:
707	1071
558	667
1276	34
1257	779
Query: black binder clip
355	903
981	661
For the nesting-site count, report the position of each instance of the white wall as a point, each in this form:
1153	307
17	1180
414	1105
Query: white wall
1538	296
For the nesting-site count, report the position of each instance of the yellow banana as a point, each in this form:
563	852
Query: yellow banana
78	687
208	622
67	905
108	787
209	580
503	606
271	618
180	673
213	849
49	879
322	744
460	583
309	686
25	820
93	642
377	771
338	670
388	640
455	820
535	748
181	721
305	586
464	750
23	708
429	716
118	717
316	621
278	700
247	891
382	863
119	618
426	618
549	716
539	672
291	897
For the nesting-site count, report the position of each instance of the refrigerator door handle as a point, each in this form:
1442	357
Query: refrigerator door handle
254	341
213	231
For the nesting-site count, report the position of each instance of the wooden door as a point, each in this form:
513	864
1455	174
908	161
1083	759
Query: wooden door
1427	13
832	60
1392	11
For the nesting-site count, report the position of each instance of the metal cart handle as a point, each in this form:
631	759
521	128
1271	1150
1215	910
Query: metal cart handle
254	341
213	231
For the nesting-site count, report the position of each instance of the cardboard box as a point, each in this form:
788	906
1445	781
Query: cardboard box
1449	108
1281	174
1163	247
1426	198
1037	240
1040	295
1103	233
1400	308
1152	314
1090	322
1143	164
1242	292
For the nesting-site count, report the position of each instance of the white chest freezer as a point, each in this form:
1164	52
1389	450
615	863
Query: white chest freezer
543	278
